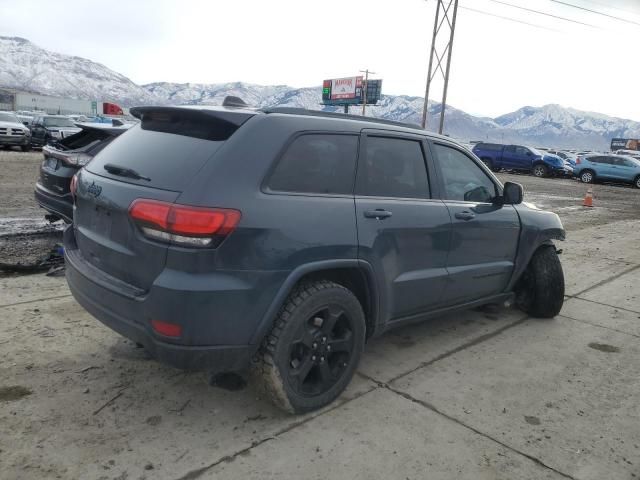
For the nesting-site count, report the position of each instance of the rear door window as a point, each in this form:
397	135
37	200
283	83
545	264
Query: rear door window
393	167
317	163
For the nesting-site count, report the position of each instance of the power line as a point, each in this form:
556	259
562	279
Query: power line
508	18
542	13
637	12
596	12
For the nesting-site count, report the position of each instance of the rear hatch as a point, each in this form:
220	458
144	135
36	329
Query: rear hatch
168	148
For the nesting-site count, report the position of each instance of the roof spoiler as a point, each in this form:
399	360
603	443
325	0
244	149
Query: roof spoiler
231	101
231	117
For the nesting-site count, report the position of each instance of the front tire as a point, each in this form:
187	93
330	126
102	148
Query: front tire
540	171
540	290
26	148
636	182
587	176
314	348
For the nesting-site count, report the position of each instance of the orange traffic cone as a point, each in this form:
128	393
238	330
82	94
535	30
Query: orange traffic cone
588	198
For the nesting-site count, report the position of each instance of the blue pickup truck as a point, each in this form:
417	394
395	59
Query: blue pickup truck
518	157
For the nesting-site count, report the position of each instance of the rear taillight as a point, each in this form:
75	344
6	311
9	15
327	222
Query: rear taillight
182	224
578	161
74	186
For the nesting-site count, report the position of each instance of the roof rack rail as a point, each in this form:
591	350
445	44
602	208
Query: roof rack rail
320	113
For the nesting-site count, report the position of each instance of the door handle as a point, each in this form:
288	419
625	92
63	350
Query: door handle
465	216
378	214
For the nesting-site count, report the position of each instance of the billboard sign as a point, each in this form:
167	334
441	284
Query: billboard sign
625	144
346	88
349	91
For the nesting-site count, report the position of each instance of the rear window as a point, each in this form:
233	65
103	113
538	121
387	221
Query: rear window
317	163
170	160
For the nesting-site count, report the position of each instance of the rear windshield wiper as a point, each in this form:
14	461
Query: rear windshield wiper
124	172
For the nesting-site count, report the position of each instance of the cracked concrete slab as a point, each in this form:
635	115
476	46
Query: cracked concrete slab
603	315
380	435
582	271
623	291
561	391
402	350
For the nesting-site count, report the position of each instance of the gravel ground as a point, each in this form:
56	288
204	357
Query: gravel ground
18	177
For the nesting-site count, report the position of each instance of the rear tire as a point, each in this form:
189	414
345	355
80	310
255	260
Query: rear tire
26	148
314	348
540	290
587	176
540	171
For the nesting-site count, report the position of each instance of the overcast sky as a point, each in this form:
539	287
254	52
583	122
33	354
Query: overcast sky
498	65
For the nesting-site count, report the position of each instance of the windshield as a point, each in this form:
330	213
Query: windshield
535	151
8	117
58	122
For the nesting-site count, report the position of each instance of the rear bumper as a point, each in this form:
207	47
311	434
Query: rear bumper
204	311
61	205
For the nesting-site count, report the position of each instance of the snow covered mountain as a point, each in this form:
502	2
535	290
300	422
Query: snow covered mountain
554	123
26	66
550	125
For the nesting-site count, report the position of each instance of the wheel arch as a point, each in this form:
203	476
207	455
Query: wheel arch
356	275
539	229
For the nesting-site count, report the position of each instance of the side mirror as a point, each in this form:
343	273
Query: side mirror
26	124
512	193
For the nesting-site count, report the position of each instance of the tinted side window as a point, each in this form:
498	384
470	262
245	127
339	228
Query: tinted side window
317	163
522	150
463	179
393	167
510	149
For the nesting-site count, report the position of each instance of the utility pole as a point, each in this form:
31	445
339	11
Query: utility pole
446	10
364	88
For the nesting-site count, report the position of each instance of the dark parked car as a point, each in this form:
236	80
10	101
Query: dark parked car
227	238
518	157
51	128
62	161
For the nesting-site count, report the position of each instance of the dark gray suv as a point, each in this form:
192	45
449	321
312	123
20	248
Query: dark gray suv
226	238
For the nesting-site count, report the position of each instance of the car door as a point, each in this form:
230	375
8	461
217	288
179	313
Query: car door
509	157
624	169
403	231
604	167
37	130
484	234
